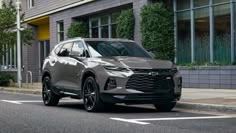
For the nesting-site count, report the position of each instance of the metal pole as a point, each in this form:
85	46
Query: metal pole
212	23
232	8
192	32
19	77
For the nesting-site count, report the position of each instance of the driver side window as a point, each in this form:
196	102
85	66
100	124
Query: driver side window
65	50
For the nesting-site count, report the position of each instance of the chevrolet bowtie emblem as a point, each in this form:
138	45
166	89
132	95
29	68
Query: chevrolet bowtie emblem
153	73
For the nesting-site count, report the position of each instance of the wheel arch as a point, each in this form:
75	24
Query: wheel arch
85	76
45	74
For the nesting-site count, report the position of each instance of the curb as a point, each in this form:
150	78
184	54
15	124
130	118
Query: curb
22	91
206	107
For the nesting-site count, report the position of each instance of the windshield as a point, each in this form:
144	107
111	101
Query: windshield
116	48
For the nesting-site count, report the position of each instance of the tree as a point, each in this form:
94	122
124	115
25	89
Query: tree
126	23
78	29
8	27
157	29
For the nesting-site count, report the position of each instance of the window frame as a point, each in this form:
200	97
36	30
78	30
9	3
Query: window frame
109	24
60	31
30	3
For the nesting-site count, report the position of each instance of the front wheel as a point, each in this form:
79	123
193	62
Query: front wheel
91	96
165	107
49	98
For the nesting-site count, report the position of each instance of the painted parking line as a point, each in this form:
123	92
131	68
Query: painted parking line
143	121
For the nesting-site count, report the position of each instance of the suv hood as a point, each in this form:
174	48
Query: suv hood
136	62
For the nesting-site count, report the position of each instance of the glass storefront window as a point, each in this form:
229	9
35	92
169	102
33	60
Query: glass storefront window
94	22
222	43
104	26
198	3
114	17
183	4
113	28
202	35
220	1
95	32
183	37
104	20
105	31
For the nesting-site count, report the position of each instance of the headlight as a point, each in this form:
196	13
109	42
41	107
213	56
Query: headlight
115	68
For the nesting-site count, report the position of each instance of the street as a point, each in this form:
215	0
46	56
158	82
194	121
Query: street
21	113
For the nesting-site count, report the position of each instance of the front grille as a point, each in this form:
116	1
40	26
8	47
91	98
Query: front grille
160	71
151	83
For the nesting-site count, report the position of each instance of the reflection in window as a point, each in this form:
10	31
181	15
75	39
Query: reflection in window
183	4
222	46
184	38
107	26
202	41
220	1
8	58
198	3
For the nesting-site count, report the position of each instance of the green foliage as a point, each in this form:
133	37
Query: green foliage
7	27
5	79
126	24
215	63
157	27
78	29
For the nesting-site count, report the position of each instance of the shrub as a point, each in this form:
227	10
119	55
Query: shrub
5	79
78	29
126	24
157	27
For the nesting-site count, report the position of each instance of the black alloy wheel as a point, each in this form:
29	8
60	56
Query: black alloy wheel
49	98
91	97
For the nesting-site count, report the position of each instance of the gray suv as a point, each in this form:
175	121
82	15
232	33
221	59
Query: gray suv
109	71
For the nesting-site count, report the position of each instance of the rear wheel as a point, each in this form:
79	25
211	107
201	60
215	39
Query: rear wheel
91	96
165	107
49	98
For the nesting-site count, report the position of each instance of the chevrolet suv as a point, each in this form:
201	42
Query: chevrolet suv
109	71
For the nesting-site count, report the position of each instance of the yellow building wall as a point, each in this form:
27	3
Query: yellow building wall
43	29
43	32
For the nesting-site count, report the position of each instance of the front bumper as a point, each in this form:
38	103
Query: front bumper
135	88
139	98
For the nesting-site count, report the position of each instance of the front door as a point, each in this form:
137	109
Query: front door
44	50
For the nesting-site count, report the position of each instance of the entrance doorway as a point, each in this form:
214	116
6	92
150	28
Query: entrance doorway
44	50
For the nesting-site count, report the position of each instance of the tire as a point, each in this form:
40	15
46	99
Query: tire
91	96
49	98
165	107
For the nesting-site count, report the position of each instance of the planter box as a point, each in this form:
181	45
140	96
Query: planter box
216	77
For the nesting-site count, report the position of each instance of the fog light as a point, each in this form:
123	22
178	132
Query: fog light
111	84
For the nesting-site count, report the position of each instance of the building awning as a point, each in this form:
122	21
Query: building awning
43	30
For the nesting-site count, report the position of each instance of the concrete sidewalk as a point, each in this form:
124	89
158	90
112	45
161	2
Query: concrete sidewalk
216	100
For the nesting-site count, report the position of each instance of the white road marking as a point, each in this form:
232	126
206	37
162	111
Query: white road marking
15	102
37	101
130	121
140	121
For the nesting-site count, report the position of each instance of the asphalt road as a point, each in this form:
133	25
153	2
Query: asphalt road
26	114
